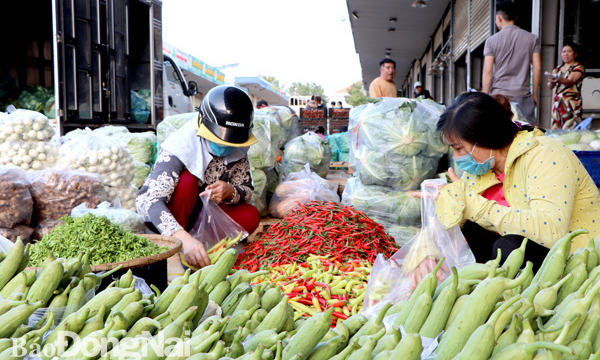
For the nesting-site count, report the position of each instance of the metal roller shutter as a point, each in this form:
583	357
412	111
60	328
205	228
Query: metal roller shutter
461	28
480	22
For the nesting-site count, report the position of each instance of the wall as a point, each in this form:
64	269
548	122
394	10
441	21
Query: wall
548	40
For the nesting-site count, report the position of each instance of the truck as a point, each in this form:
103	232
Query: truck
102	59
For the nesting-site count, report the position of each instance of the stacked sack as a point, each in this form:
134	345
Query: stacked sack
99	154
310	149
394	146
290	124
16	204
25	140
263	155
340	146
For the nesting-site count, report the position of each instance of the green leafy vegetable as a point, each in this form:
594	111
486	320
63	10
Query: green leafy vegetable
267	131
172	123
310	149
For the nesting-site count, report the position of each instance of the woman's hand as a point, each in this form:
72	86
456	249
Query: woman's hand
451	174
193	250
424	268
221	191
552	82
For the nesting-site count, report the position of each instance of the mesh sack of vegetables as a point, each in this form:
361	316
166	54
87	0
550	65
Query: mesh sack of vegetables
128	220
393	171
141	172
55	192
18	231
309	149
172	123
29	156
25	125
140	145
290	125
16	204
382	204
299	188
343	142
335	151
267	130
98	154
125	194
259	195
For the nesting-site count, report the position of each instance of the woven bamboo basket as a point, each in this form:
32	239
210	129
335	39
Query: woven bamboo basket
174	245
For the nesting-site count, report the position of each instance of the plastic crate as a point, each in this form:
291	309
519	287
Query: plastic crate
591	162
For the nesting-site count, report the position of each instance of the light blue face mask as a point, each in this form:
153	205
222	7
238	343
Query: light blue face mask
467	163
220	150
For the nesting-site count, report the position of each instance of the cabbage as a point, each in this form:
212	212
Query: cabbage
335	151
172	123
140	145
267	131
310	149
273	179
580	147
387	207
259	195
587	136
343	142
141	172
290	125
111	130
397	172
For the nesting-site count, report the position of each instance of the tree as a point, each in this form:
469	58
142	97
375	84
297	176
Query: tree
357	95
273	80
308	89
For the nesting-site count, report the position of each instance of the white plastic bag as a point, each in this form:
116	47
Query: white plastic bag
98	154
394	279
310	149
29	156
267	129
126	195
18	231
301	187
56	192
126	219
16	204
25	125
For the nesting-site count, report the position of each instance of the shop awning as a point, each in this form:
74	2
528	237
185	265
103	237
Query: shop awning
371	23
262	89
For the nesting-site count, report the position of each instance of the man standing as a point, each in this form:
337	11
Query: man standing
508	56
384	85
419	91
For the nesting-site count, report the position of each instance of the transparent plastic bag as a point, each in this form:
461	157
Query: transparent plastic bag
335	151
141	146
5	245
98	154
29	156
301	188
25	125
16	204
290	125
394	279
267	131
111	130
56	192
44	228
310	149
141	172
214	224
128	220
171	123
22	231
259	195
125	194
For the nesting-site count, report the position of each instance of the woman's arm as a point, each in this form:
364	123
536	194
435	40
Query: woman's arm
241	179
156	192
573	77
550	189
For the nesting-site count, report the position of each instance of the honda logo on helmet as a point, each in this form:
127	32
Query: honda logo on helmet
229	123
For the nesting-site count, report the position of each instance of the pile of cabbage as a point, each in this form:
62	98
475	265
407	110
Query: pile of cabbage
309	149
172	123
577	140
290	125
394	146
25	140
340	146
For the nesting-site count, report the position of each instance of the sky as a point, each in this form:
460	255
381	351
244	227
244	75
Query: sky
295	41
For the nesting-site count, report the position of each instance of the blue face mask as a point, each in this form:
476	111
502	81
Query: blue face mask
467	163
220	150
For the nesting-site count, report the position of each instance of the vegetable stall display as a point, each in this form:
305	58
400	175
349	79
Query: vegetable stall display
319	228
310	149
577	140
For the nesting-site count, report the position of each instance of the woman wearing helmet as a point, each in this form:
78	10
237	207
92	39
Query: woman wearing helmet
205	155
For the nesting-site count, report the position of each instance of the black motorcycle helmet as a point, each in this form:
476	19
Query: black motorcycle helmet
226	117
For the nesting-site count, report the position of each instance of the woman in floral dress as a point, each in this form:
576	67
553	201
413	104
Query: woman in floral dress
566	80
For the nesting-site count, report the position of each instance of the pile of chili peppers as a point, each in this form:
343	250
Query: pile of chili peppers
321	283
320	228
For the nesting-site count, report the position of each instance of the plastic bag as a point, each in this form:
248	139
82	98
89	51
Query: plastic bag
141	146
394	279
267	131
310	149
98	154
301	188
259	195
335	151
214	224
141	172
44	228
126	219
25	125
5	245
290	125
126	195
16	204
22	231
111	130
55	192
29	156
172	123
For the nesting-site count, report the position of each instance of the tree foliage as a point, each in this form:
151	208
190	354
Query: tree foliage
273	80
357	95
308	89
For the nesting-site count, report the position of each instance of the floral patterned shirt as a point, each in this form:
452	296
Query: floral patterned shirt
156	192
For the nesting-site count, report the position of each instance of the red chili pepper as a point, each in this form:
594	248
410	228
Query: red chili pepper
305	302
337	304
323	285
340	315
